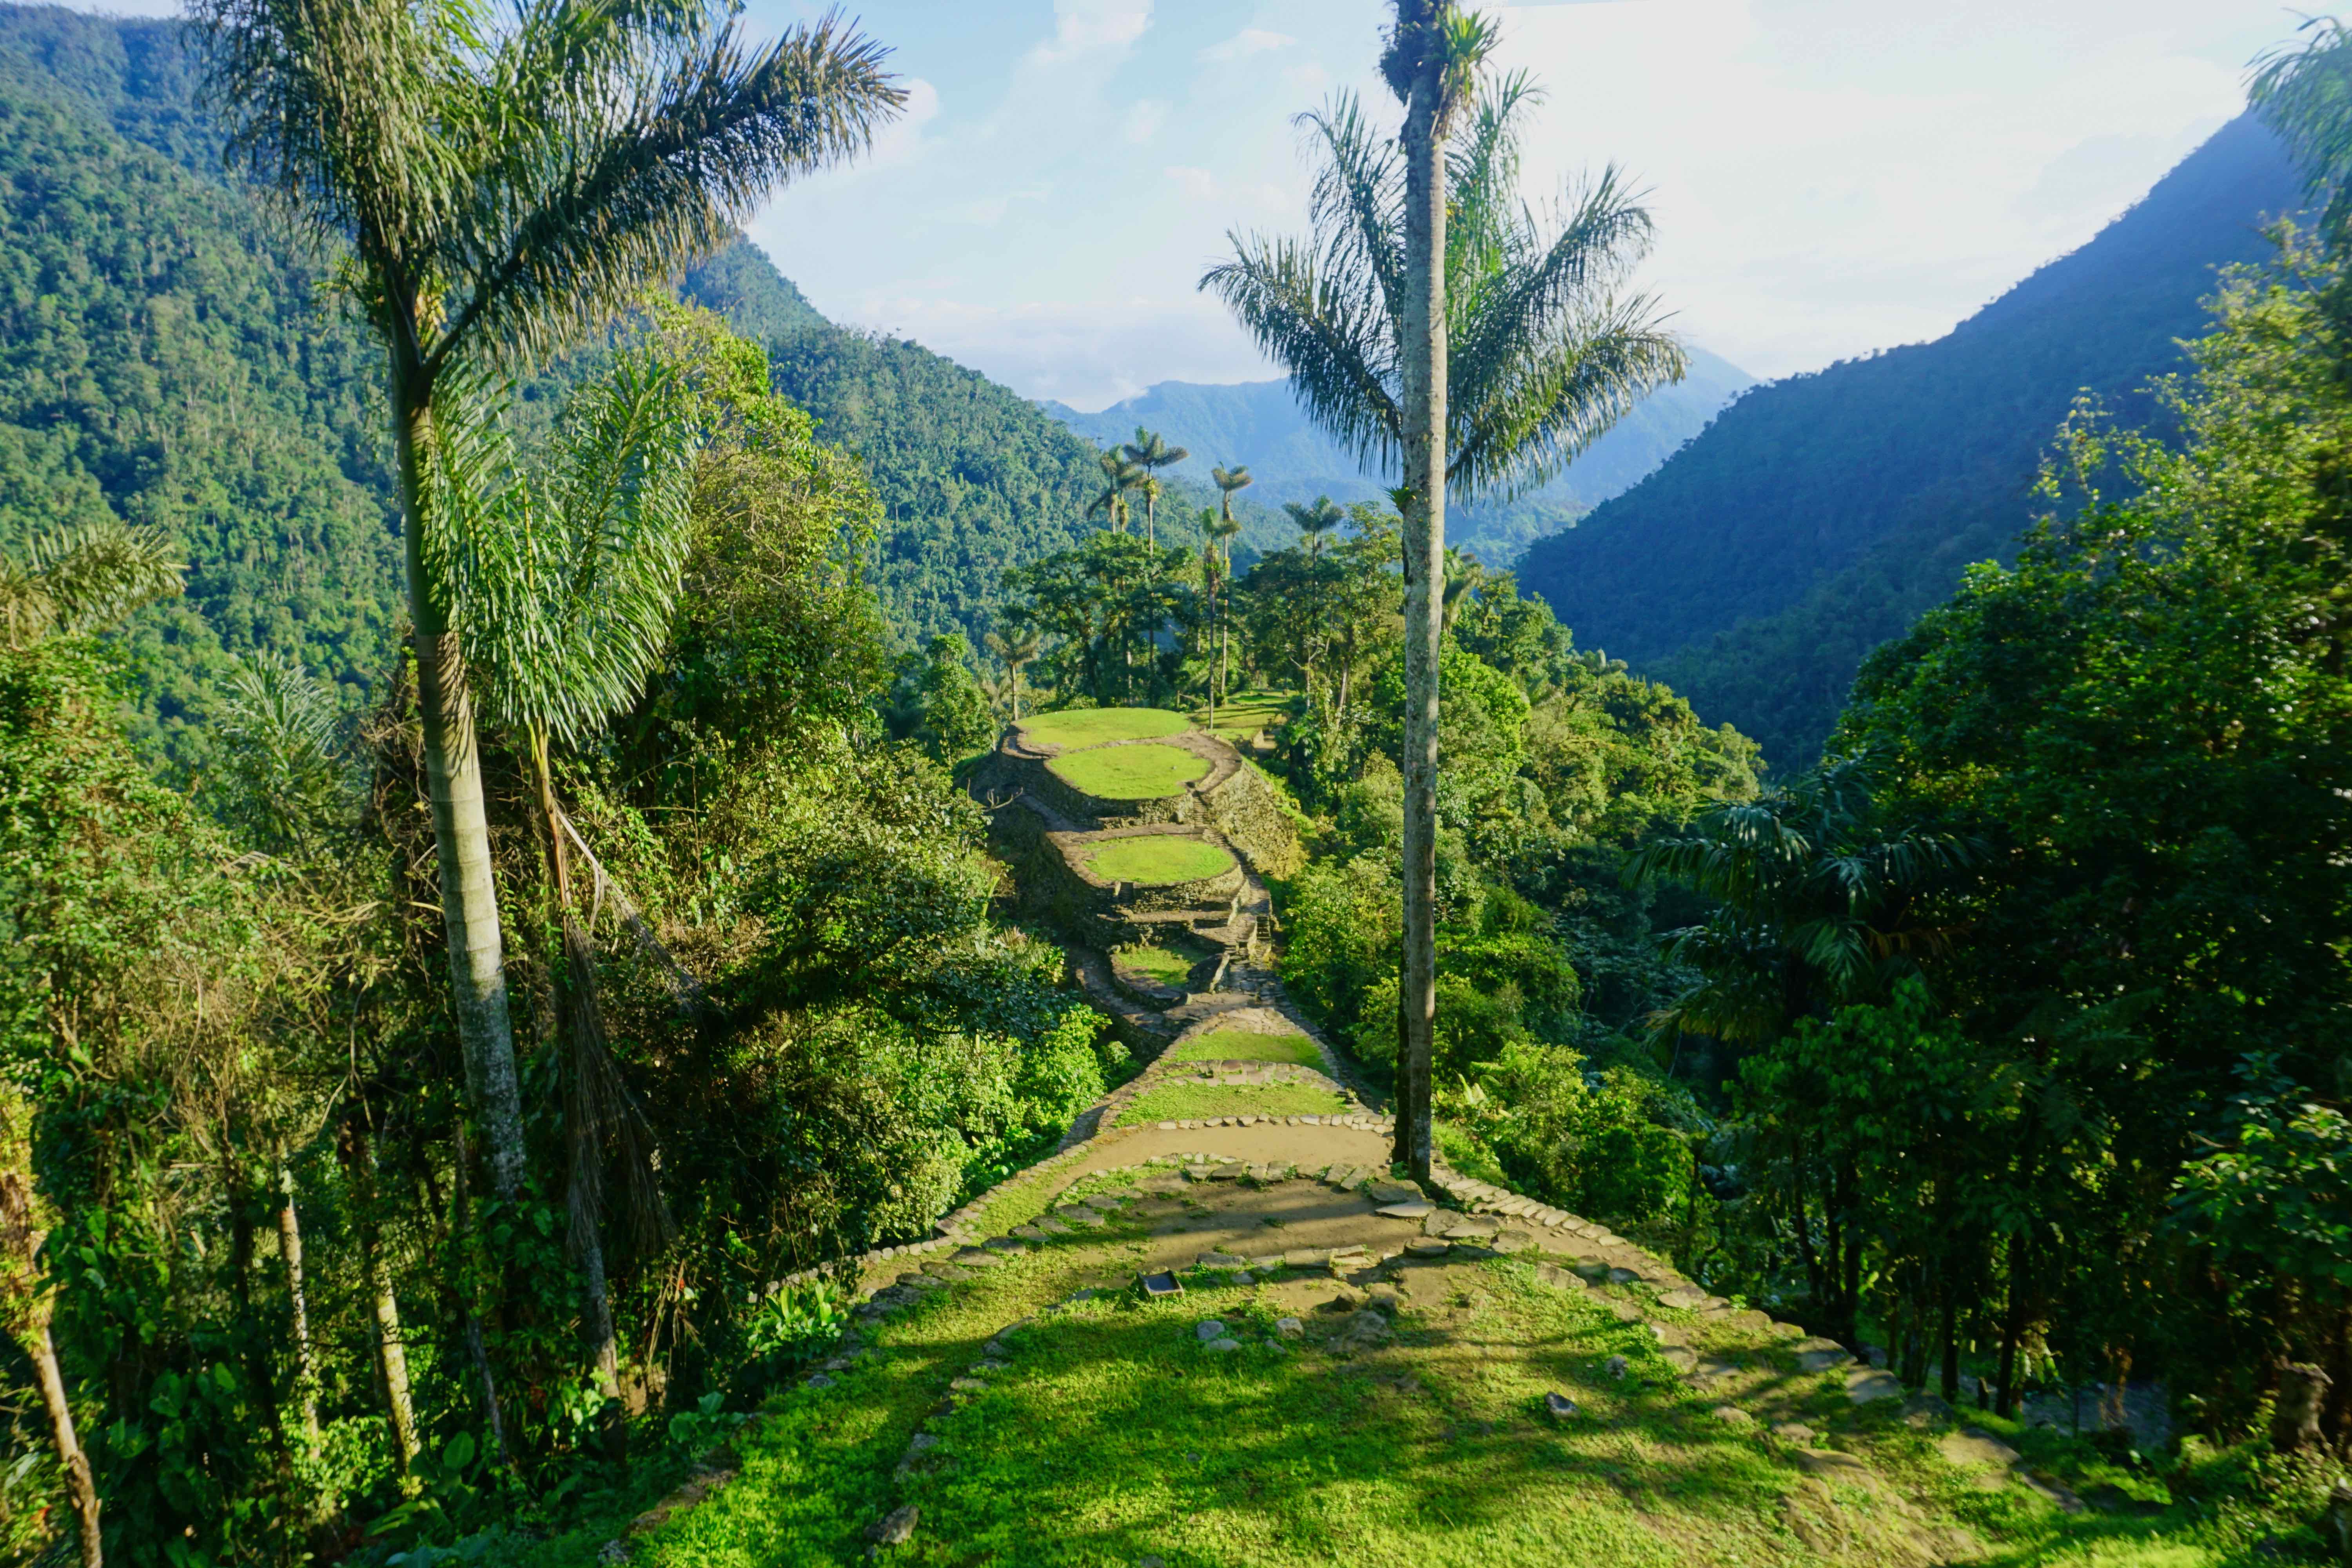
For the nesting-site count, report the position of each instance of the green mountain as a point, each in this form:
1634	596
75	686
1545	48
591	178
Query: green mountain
1259	424
165	355
1817	516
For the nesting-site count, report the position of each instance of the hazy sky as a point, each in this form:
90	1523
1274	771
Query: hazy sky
1829	176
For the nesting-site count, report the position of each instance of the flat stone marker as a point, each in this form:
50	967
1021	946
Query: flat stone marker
1865	1384
1207	1330
1159	1286
1414	1210
1558	1406
1817	1354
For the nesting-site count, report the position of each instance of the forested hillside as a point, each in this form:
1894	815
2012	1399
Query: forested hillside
1819	515
1259	424
166	355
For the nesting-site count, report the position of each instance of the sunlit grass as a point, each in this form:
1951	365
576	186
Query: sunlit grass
1178	1101
1243	1046
1157	857
1095	726
1128	772
1164	964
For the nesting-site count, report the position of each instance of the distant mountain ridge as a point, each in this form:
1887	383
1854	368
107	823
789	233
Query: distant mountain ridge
1259	424
1819	515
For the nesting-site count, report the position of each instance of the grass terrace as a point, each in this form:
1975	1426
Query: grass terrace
1247	1046
1167	965
1177	1100
1129	772
1097	726
1158	858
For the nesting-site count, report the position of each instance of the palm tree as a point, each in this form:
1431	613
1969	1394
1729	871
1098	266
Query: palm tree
2301	93
504	191
1148	452
569	580
1119	476
78	580
1017	648
1437	325
1315	518
1221	538
1229	481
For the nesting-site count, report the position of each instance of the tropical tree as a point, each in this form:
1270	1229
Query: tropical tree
82	579
504	192
1435	324
1119	476
1017	648
1315	518
570	580
1150	452
1228	481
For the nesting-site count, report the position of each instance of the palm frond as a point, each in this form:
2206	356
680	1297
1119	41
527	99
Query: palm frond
78	580
1339	352
2305	93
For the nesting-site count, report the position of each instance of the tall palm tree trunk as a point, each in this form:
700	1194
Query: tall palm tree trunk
391	1346
461	833
1423	409
306	1362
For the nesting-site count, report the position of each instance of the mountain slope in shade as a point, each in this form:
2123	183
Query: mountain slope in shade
1819	515
1259	424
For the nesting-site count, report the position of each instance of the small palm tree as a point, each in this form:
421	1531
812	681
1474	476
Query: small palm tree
1017	648
506	190
1315	518
1229	481
1437	326
1119	476
84	579
1150	453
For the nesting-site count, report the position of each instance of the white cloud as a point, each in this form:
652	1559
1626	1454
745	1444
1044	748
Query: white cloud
1142	120
1247	42
1090	27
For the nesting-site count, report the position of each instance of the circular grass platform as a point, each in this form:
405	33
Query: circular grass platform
1098	726
1129	772
1158	858
1247	1046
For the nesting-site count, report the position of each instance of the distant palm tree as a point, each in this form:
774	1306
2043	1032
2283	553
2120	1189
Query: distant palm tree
1221	545
1016	650
506	190
1229	481
1150	453
1315	518
1437	326
1119	476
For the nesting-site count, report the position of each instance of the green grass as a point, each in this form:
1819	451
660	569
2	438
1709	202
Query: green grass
1248	712
1158	857
1129	772
1179	1099
1243	1046
1094	726
1110	1435
1164	964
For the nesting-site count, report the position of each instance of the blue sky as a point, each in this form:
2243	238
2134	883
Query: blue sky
1829	177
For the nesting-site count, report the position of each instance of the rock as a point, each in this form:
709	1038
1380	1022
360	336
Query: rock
979	1258
1614	1366
1427	1246
1414	1210
1288	1328
817	1380
1226	1173
1383	1295
615	1553
1052	1226
897	1529
1793	1432
1222	1260
969	1386
1441	1222
1926	1412
990	1367
1714	1369
1833	1465
1387	1192
1559	1278
1590	1269
1975	1448
1622	1277
1028	1233
1558	1406
1747	1320
1667	1334
1510	1242
921	1443
1683	1300
1732	1415
1306	1258
1242	1277
1210	1329
1864	1385
1821	1355
1682	1358
921	1282
1473	1228
1003	1244
1222	1345
1363	1331
2034	1480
